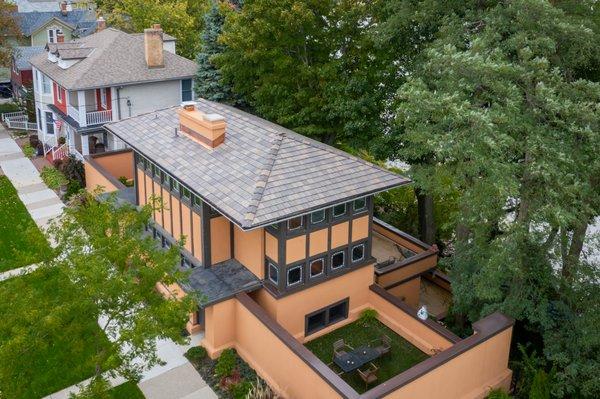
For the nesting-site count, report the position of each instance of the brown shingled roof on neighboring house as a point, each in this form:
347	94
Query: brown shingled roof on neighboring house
117	59
261	173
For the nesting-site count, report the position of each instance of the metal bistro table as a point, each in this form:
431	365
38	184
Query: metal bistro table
357	358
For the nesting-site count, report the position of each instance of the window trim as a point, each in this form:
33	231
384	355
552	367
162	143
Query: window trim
103	98
59	96
296	228
269	265
363	252
287	276
361	209
342	214
191	90
343	260
318	221
322	259
328	321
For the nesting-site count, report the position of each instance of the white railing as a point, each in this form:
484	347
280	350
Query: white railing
97	117
73	112
19	115
77	154
60	152
20	124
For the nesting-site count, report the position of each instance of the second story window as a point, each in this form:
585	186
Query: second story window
186	90
59	94
294	275
273	273
360	204
55	35
339	210
337	260
103	98
46	89
317	216
295	223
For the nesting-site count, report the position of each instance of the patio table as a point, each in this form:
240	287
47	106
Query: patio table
357	358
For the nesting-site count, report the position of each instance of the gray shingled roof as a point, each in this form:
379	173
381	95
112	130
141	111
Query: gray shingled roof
118	59
22	55
82	21
261	173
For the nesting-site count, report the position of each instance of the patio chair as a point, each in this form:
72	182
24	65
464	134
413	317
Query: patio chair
334	367
369	376
383	345
340	348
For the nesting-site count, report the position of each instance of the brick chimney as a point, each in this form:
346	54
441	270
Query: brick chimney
206	129
100	24
153	47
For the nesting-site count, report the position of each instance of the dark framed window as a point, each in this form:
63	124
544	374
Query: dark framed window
358	252
317	267
317	216
294	275
186	90
360	204
154	170
164	177
273	273
326	316
185	192
295	223
49	123
339	210
174	185
337	260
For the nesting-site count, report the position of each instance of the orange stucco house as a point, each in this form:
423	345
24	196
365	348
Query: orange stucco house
281	241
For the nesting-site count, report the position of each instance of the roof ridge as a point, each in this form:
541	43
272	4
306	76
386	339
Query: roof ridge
263	179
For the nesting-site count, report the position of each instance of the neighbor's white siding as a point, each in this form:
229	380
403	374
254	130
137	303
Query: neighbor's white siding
149	97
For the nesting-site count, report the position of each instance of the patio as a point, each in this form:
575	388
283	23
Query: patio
360	334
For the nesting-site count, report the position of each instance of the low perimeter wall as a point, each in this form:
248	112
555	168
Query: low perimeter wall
104	170
466	368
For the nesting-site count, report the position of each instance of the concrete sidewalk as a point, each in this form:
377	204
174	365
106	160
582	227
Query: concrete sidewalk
42	203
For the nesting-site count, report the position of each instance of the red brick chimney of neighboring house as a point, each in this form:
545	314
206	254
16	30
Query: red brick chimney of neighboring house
153	47
100	24
206	129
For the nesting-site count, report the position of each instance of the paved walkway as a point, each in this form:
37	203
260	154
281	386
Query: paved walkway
42	203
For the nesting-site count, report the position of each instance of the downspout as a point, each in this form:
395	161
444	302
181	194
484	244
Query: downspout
119	101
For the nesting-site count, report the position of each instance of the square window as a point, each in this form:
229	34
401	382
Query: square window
338	312
339	210
294	275
295	223
337	260
273	273
358	252
317	216
185	192
360	204
316	267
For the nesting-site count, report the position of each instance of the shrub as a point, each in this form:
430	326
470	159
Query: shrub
540	386
367	316
126	182
73	187
53	178
29	151
73	169
225	364
260	390
196	354
498	394
241	389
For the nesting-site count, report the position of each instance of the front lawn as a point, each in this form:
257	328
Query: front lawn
21	242
129	390
402	356
40	354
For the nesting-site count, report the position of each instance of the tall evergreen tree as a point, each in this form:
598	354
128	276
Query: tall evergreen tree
209	82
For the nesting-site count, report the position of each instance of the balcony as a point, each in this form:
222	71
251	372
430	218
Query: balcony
91	118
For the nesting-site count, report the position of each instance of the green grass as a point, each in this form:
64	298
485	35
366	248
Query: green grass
41	354
129	390
402	356
21	242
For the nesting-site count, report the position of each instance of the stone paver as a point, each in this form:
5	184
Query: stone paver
179	382
36	196
21	172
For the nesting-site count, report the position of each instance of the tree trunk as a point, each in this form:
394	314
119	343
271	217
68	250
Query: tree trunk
572	256
427	227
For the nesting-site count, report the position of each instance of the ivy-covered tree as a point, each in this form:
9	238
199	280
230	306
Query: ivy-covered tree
209	82
501	112
8	29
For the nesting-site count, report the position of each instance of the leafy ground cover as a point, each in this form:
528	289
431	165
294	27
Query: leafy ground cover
45	359
21	242
402	356
129	390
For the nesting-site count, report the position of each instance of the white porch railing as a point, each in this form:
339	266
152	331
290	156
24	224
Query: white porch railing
60	152
97	117
18	115
77	154
20	124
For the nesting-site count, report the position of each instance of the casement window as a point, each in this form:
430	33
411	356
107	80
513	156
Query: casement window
273	273
337	260
325	317
358	252
294	275
103	96
339	210
317	217
186	90
317	267
49	123
295	223
360	204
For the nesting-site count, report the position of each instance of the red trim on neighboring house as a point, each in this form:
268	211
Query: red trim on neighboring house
60	105
15	77
27	77
99	100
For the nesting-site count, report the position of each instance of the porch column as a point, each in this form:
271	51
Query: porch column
114	106
85	145
81	107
